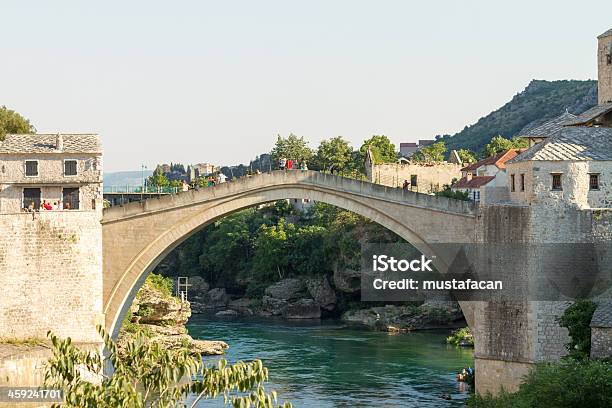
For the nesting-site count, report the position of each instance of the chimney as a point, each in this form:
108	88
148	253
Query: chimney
468	176
59	142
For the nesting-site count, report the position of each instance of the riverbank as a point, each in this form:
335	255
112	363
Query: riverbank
317	298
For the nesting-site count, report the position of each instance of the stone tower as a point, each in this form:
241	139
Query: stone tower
604	65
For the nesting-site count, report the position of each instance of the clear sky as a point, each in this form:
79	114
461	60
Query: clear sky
216	81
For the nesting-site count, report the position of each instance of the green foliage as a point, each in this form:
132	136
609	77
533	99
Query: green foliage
566	384
148	375
335	153
577	320
13	122
292	147
383	151
541	100
499	143
159	283
457	195
158	178
467	156
432	153
461	337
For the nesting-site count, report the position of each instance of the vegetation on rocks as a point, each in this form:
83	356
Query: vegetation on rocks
461	337
150	375
158	317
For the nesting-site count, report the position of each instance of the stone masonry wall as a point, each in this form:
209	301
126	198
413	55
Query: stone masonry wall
430	177
51	275
601	342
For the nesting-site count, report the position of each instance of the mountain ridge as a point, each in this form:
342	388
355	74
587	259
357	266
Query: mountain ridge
539	101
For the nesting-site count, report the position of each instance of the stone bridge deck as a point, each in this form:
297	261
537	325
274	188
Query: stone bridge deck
137	236
310	179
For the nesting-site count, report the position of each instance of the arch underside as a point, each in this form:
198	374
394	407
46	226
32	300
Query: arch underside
182	222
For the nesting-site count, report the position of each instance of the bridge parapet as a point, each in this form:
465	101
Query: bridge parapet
290	178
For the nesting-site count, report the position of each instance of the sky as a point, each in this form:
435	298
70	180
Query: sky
217	81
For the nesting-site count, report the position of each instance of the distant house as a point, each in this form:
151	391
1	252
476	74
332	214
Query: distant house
408	149
489	174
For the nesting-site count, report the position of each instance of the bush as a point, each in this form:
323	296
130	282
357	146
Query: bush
569	383
577	319
149	375
461	337
457	195
160	283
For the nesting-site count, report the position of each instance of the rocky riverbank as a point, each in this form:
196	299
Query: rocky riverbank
322	297
161	318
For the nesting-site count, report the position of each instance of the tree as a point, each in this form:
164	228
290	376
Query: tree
13	122
158	178
577	320
467	156
383	150
334	153
432	153
499	143
150	376
292	147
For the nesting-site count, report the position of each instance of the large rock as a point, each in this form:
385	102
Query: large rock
242	306
302	309
198	286
217	298
273	305
153	307
347	280
322	293
286	289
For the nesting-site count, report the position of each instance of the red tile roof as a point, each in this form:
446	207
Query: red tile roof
474	182
499	160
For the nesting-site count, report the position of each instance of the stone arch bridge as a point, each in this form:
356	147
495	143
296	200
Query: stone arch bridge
137	236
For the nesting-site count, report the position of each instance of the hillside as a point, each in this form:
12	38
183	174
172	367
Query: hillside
541	100
125	178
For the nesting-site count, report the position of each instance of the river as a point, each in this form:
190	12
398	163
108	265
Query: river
330	364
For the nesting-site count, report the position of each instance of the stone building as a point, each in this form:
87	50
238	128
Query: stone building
64	170
604	64
572	168
51	260
601	331
549	128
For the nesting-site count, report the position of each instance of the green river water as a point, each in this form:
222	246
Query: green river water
331	364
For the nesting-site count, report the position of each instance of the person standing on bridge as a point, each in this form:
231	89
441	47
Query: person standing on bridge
289	164
303	165
282	162
406	185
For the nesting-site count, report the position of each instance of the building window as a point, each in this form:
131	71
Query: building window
31	168
31	198
70	198
512	188
609	59
70	167
476	195
522	182
556	182
593	181
413	180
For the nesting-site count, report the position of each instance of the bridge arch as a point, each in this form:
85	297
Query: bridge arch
138	236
